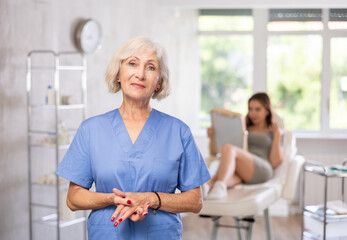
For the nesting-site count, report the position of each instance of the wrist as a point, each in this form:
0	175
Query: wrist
277	133
109	200
159	205
153	200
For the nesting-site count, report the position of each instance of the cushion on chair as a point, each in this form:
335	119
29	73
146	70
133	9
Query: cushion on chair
241	202
228	131
244	199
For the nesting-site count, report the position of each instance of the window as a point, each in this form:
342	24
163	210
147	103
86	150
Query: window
226	45
293	79
337	19
338	60
303	68
214	20
338	84
294	66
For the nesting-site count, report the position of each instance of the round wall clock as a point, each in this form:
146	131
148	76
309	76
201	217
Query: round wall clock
88	36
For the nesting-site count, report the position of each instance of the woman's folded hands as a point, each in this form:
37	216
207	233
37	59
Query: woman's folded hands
129	205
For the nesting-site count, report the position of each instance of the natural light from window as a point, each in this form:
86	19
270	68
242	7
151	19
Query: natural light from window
295	26
226	64
338	86
304	67
225	23
294	79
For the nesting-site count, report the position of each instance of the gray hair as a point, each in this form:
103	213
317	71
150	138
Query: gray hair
128	49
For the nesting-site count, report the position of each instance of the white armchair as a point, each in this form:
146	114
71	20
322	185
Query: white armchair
246	201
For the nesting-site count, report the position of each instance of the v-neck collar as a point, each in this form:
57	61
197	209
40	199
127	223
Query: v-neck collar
143	139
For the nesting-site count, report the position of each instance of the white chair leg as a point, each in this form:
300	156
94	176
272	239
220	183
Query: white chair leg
215	228
249	231
239	228
239	234
267	224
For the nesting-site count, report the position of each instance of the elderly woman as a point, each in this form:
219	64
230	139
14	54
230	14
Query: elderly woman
136	156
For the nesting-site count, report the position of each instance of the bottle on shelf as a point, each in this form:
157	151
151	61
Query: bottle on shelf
50	96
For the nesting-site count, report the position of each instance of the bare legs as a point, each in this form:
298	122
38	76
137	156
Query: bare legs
236	165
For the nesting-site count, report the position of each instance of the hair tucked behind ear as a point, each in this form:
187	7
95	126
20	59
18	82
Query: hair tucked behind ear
264	100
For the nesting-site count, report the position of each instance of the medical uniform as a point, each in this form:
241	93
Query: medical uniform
163	158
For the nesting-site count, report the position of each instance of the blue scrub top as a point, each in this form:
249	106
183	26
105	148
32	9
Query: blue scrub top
163	158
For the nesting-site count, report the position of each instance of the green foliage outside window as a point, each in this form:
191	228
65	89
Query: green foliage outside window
338	92
226	73
294	70
294	79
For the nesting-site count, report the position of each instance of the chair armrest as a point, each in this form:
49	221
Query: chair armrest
210	159
290	186
213	166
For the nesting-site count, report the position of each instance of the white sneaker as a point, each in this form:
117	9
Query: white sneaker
205	190
218	191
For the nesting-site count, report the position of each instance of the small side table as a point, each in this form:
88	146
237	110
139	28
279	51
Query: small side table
320	221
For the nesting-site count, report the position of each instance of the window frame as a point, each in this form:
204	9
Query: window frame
260	36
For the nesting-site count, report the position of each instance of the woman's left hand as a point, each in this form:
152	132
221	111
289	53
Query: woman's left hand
137	211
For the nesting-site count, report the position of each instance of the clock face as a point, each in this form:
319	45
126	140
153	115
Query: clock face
89	36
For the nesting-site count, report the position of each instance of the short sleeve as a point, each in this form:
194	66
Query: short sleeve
193	171
76	165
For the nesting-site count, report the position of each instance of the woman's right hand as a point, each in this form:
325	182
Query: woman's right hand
276	129
210	132
128	210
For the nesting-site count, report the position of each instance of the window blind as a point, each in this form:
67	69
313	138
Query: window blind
295	15
338	14
226	12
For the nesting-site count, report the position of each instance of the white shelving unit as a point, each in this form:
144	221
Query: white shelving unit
49	215
324	221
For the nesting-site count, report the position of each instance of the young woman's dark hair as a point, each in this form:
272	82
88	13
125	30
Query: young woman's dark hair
264	100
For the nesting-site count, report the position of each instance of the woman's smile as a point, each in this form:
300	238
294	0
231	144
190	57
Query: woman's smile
138	85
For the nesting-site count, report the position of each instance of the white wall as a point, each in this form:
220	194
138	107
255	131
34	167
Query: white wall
48	24
254	4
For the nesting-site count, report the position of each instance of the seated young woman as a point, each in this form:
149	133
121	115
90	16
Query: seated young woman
265	151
